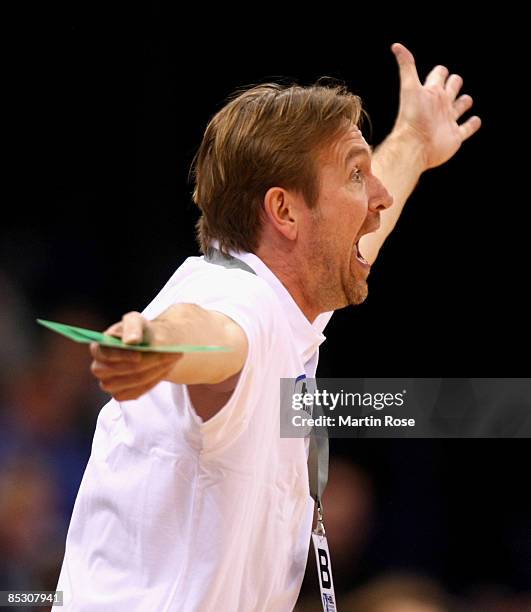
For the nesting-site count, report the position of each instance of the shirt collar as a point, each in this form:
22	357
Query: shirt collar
308	336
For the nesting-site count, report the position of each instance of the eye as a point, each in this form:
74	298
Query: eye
356	176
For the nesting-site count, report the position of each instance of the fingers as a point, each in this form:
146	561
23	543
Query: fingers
437	77
409	77
106	354
132	394
127	374
132	328
461	105
115	330
453	85
115	383
106	369
135	392
469	127
130	387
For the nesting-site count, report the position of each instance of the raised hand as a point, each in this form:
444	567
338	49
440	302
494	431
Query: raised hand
430	112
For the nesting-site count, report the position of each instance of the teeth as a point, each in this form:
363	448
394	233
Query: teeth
359	255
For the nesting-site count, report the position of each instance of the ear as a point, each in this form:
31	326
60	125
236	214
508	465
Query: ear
282	210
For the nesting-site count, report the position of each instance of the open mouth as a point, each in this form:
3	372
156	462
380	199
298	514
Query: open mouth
358	254
368	230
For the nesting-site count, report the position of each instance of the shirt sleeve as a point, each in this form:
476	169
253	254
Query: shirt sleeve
253	305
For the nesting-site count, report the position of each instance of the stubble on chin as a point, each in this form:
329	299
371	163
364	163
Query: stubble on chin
358	293
326	288
332	294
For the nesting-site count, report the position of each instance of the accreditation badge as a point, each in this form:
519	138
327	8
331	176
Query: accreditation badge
324	571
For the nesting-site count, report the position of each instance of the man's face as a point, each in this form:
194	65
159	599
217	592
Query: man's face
349	205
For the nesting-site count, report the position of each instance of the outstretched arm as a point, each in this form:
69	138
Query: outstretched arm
425	135
129	374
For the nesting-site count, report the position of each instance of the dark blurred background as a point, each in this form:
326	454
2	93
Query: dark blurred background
104	112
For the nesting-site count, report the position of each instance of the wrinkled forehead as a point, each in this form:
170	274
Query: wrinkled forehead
348	144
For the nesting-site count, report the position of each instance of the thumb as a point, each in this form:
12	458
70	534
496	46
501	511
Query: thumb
135	328
409	77
115	330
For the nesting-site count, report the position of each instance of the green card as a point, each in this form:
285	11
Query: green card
78	334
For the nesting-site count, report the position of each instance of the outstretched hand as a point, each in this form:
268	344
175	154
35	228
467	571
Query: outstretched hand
429	112
127	375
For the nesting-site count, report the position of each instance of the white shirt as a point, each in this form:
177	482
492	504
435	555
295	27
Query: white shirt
174	513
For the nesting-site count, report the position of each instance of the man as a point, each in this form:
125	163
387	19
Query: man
191	500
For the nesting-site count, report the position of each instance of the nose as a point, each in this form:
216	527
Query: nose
379	197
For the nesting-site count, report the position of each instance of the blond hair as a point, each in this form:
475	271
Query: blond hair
266	136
